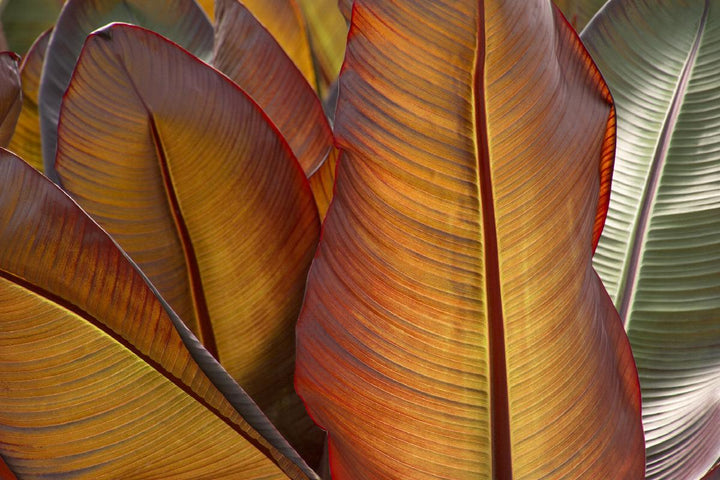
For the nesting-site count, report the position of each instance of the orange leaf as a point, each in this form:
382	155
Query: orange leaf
25	142
100	378
190	177
453	325
247	53
284	20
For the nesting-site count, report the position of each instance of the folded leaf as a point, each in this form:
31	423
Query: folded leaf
453	326
25	141
100	378
284	20
247	53
190	177
10	95
24	20
660	254
180	20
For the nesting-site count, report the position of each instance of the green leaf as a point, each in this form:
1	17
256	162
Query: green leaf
659	255
25	20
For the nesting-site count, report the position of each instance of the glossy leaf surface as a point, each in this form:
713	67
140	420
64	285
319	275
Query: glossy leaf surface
25	141
205	195
579	12
247	53
182	21
284	20
100	378
453	325
660	253
24	20
10	95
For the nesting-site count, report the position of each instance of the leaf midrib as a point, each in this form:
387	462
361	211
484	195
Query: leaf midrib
499	403
117	337
200	306
629	282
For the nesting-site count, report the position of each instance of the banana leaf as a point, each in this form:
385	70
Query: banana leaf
10	95
182	21
100	379
25	141
660	253
192	179
453	325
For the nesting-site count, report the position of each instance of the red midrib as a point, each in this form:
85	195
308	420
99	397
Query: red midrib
499	408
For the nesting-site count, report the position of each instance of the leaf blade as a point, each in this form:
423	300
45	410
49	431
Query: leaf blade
400	355
180	20
657	256
61	273
204	193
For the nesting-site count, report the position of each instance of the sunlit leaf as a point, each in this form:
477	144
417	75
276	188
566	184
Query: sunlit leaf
185	171
100	379
248	54
660	254
25	20
328	29
25	142
180	20
284	20
453	324
579	12
10	95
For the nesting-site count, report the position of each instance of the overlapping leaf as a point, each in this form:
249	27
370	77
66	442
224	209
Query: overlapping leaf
99	378
198	186
328	29
24	20
660	253
25	141
453	325
10	95
284	20
182	21
579	12
248	54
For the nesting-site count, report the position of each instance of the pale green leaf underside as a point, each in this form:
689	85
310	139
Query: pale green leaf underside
659	255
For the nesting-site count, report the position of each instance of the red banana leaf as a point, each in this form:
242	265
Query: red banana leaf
25	141
453	325
182	21
10	95
284	20
100	379
191	178
247	53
